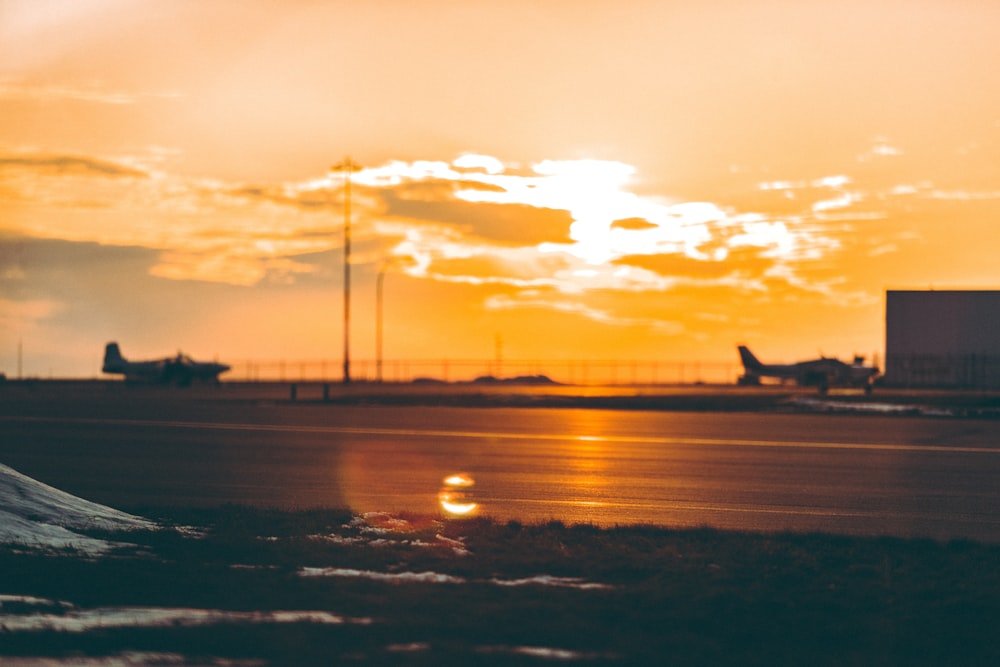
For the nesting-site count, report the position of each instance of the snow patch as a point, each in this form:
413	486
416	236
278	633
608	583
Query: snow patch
38	516
827	405
17	603
382	529
126	659
76	621
412	647
545	653
549	580
384	523
457	546
398	577
438	578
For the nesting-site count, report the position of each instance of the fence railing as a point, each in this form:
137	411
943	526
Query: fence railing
585	372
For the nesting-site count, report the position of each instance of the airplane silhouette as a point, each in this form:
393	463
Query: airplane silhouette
824	372
181	369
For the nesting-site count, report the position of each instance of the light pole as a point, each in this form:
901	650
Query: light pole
347	166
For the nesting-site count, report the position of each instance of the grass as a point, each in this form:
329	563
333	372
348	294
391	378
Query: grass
626	595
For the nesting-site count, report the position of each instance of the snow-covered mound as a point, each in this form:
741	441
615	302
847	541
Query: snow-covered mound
33	514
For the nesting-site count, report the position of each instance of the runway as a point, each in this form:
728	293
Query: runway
766	471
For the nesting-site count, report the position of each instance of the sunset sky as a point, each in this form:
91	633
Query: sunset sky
577	179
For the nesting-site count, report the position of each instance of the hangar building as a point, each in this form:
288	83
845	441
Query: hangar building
948	338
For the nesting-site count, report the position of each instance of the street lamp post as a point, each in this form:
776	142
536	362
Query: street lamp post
348	166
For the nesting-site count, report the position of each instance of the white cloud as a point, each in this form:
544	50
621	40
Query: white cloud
95	93
490	165
881	148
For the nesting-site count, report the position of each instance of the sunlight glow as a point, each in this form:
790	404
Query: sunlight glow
490	165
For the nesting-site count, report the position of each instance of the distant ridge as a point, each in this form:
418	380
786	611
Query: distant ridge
520	379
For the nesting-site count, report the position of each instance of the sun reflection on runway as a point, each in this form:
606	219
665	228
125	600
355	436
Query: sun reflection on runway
585	477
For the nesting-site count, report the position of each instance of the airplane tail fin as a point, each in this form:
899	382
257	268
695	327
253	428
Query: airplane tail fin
113	359
750	362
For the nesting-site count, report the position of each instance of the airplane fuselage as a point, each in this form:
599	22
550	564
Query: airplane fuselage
181	369
824	372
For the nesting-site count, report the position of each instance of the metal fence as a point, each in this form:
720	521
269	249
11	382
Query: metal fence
595	372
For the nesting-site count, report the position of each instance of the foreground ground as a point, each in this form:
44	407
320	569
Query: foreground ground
237	586
241	586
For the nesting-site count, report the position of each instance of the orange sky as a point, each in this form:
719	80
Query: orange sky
580	180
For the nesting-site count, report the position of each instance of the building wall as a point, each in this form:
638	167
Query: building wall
945	338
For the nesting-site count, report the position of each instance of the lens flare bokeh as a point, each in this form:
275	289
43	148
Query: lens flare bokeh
455	496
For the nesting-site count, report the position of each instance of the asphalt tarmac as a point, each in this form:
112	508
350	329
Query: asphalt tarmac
764	460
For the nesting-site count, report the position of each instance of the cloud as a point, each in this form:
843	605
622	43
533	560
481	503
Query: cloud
30	267
509	224
556	303
304	198
199	229
472	264
740	261
16	315
69	165
92	94
61	295
635	224
570	226
880	149
238	268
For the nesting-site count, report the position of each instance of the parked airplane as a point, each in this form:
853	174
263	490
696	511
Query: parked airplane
181	370
824	372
